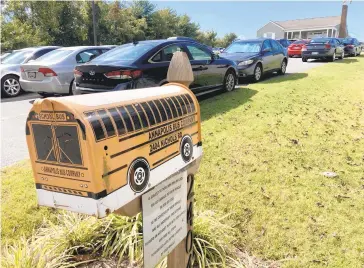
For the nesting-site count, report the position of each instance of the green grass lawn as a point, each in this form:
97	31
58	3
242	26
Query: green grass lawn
265	147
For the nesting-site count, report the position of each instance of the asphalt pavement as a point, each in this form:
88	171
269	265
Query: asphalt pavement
14	112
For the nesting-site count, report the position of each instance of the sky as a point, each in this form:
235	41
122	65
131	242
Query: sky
246	17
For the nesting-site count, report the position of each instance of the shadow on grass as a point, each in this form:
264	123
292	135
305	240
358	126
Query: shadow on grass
276	78
346	60
221	102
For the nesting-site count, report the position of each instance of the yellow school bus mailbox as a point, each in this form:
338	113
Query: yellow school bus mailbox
95	153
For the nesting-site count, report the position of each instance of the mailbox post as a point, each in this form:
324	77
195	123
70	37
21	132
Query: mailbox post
98	154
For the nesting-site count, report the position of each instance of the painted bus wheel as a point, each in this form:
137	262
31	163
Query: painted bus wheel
138	175
186	148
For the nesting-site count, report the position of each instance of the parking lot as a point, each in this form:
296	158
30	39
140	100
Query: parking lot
15	110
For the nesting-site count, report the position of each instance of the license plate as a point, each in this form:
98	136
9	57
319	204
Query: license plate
314	53
32	75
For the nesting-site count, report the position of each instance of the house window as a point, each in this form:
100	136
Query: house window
269	35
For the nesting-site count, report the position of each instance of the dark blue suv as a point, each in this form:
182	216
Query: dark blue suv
256	57
145	64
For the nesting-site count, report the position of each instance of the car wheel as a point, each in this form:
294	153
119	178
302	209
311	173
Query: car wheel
10	86
258	73
342	55
332	59
229	81
138	175
283	69
304	59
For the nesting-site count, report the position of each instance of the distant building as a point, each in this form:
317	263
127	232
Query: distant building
301	28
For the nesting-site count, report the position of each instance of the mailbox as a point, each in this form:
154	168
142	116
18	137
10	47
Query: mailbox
95	153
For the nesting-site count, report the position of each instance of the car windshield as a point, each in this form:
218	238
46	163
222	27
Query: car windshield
321	40
55	55
244	47
127	52
17	57
348	41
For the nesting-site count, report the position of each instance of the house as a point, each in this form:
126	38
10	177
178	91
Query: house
301	28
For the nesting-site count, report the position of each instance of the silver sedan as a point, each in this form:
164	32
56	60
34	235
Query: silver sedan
52	74
10	68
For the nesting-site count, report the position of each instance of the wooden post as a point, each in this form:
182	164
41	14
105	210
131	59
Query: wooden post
180	71
182	255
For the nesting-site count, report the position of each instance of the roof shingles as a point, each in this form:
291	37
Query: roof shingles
302	24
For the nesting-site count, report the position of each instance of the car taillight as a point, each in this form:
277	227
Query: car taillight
47	72
350	46
304	48
328	46
124	74
77	73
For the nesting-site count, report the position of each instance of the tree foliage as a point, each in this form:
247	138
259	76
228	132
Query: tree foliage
66	23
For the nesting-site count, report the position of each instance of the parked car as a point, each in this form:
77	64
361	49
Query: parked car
52	74
145	64
352	47
10	68
284	42
256	57
323	48
217	50
295	48
4	55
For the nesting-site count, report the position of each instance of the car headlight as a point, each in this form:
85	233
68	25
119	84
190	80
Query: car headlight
246	62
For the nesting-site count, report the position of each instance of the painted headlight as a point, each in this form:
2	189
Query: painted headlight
247	62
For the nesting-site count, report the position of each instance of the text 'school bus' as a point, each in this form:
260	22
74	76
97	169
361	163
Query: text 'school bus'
95	153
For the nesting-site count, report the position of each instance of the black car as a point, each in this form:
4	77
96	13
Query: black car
256	57
323	48
284	42
145	64
352	46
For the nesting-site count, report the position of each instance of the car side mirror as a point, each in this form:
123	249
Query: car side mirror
267	50
215	56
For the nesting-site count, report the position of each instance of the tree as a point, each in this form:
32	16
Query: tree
66	23
208	38
187	28
226	40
